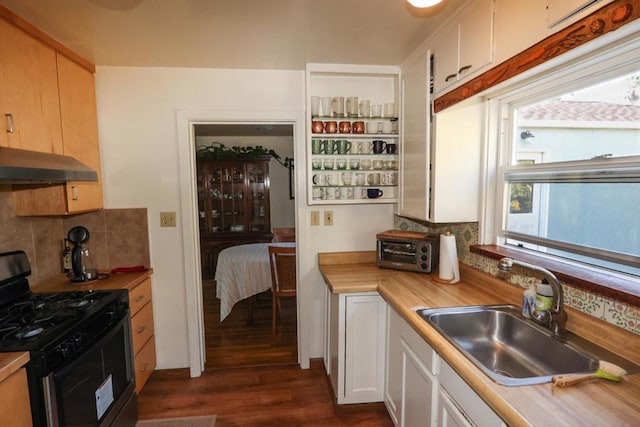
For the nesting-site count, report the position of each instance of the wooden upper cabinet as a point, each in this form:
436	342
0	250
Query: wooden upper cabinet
80	131
59	95
29	93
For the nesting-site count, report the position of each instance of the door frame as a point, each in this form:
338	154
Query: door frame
186	119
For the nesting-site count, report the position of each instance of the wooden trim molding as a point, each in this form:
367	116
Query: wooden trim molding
36	33
608	18
616	287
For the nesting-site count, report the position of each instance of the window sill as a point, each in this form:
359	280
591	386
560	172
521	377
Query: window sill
615	287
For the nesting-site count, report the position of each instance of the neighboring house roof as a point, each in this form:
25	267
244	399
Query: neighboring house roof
580	111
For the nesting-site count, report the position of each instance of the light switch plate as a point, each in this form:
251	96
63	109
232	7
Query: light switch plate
167	219
328	217
315	218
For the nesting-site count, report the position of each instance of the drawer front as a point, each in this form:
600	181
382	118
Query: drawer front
142	327
145	363
139	296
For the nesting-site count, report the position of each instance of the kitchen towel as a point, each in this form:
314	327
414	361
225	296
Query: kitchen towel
448	269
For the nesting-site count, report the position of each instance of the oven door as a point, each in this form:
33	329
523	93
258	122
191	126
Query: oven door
94	387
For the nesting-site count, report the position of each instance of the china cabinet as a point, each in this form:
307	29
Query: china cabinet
352	134
233	202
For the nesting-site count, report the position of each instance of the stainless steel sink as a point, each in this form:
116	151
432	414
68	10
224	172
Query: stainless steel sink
512	350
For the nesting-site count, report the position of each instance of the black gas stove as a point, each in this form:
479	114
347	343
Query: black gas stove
81	369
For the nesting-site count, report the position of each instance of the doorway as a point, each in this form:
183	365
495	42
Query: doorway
244	336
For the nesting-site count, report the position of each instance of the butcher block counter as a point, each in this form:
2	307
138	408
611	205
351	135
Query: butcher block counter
595	403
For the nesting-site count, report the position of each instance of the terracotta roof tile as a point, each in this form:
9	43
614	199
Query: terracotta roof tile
581	111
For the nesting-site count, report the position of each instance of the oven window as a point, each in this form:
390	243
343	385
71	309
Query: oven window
102	373
401	252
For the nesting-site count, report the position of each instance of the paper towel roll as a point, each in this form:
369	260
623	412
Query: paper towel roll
448	270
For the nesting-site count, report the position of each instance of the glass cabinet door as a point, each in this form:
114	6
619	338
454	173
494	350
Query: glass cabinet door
258	188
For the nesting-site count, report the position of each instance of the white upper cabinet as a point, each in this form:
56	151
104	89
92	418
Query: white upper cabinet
440	159
464	46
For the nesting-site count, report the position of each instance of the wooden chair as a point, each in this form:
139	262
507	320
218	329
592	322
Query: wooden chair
283	277
284	234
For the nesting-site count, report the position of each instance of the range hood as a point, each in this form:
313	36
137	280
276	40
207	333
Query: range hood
32	167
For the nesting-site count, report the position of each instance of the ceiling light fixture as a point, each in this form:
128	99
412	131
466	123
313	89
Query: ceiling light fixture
423	3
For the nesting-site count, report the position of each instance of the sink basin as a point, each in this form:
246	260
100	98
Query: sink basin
510	349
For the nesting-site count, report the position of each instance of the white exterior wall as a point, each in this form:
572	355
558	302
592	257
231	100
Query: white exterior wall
137	109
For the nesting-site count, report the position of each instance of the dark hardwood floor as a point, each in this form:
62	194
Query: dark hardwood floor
251	378
233	343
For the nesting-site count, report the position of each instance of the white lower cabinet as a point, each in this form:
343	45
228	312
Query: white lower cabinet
421	389
355	356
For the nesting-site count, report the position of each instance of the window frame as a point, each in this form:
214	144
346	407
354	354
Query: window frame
616	58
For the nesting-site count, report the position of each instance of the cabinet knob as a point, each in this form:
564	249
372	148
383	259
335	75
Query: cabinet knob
74	192
9	117
141	329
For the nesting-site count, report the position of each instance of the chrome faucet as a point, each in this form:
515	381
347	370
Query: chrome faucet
554	318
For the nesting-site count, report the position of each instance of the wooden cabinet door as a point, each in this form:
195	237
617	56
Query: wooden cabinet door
79	118
15	410
29	93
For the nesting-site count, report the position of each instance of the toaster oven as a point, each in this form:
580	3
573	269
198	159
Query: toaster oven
408	250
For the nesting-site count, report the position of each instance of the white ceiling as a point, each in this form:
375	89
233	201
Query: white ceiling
258	34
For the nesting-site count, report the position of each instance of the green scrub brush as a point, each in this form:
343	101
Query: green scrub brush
606	371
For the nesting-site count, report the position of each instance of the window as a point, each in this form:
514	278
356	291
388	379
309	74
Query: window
568	182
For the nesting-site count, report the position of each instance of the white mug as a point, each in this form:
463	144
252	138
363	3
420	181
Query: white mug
337	106
315	106
359	193
372	127
331	193
390	109
346	193
346	177
356	147
388	178
365	108
318	193
385	126
360	178
331	179
366	147
318	179
376	111
373	178
326	106
365	164
352	106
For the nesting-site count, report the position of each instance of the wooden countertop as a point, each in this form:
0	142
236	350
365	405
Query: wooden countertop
61	283
11	362
594	403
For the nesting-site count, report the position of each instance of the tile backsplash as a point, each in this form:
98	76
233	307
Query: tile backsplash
118	237
621	314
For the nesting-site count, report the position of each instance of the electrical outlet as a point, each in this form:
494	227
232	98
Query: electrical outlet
328	217
315	217
167	219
